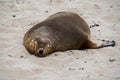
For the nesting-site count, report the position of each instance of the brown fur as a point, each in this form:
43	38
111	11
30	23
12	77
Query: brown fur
59	32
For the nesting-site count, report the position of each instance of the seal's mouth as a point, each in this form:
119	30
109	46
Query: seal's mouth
40	55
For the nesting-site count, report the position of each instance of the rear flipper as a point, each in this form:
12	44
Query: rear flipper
105	43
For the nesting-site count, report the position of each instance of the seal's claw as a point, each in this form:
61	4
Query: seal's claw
113	43
107	43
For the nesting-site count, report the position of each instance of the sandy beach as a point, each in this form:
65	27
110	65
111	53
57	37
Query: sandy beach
18	16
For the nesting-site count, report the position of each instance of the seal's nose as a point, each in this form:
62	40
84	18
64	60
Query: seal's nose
41	51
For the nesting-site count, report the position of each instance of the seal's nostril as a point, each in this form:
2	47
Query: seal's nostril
41	51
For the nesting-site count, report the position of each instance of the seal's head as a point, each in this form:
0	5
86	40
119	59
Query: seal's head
40	46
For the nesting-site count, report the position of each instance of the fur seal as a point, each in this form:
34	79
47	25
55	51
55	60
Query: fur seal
59	32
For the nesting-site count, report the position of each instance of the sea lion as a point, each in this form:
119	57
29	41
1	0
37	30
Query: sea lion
59	32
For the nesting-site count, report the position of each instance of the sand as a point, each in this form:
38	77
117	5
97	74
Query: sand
18	16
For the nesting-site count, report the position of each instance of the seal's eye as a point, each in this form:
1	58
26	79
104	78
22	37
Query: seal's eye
41	51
